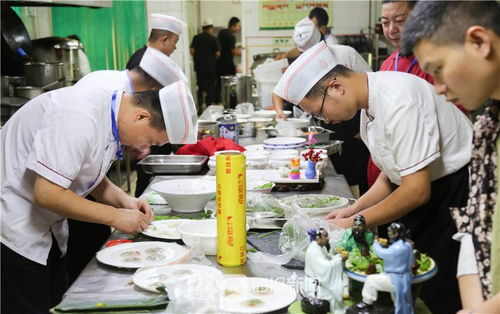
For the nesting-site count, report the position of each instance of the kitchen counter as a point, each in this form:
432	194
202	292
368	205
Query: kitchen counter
98	281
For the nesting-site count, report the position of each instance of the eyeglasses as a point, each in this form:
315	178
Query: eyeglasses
318	116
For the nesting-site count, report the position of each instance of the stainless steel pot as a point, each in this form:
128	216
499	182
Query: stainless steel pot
244	88
33	91
208	128
28	92
226	85
42	74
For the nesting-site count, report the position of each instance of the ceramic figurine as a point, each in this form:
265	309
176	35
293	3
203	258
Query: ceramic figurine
323	287
396	277
356	237
295	168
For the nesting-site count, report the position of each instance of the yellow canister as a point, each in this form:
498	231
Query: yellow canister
231	209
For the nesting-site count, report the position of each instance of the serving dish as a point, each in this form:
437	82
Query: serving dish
185	195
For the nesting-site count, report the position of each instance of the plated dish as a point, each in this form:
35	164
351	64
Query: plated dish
152	278
421	276
254	295
141	254
313	204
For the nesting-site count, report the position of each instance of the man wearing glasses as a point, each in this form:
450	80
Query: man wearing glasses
421	142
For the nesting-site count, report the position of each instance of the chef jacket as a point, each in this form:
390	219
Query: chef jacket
107	79
66	137
407	127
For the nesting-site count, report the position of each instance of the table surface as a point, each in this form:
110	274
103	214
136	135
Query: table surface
98	281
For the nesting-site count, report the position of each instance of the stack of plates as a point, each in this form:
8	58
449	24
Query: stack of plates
280	143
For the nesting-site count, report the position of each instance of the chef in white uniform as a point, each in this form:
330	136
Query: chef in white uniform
344	54
421	142
57	149
155	71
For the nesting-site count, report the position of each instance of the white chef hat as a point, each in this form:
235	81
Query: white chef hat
161	67
305	34
167	22
179	113
305	72
207	22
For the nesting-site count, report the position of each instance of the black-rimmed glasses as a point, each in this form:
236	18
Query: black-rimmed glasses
318	116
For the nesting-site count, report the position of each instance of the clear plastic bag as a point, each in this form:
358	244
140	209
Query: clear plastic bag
294	239
193	295
258	202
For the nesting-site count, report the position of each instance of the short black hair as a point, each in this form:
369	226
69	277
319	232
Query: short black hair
411	3
319	88
150	100
147	79
233	21
320	15
446	22
157	33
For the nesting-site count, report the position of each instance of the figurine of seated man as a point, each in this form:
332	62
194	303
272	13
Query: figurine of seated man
396	278
323	271
356	237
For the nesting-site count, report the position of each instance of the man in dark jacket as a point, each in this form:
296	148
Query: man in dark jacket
227	41
205	50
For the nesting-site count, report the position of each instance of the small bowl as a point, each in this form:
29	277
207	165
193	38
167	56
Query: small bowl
293	123
185	195
254	186
205	230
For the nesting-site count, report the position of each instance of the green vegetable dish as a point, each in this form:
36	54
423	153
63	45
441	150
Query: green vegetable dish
372	264
319	202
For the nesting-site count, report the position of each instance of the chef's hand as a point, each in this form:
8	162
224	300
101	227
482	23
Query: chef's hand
339	213
130	221
280	115
341	222
140	205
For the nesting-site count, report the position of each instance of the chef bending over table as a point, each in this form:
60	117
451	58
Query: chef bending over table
421	142
55	151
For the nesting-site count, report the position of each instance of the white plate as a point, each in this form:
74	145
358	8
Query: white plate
165	229
285	141
235	292
149	279
116	255
255	147
287	204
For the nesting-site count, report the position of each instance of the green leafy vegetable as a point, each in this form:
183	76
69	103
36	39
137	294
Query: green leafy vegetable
160	217
264	186
319	202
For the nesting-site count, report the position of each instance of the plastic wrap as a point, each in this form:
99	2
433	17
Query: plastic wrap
258	202
294	239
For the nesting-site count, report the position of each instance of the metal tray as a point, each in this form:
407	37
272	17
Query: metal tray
168	164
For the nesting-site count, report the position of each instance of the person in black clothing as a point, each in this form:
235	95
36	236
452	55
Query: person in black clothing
225	64
164	35
205	50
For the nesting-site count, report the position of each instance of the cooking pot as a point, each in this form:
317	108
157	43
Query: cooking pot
43	74
31	92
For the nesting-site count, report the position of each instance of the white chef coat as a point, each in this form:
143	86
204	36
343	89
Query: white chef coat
407	127
350	58
66	137
109	80
331	40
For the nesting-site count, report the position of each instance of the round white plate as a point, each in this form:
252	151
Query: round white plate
415	279
236	294
287	204
138	254
284	141
255	147
165	229
151	278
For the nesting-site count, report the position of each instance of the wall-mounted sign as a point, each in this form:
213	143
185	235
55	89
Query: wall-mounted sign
285	14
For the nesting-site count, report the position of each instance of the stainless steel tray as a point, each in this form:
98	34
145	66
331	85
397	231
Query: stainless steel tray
168	164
